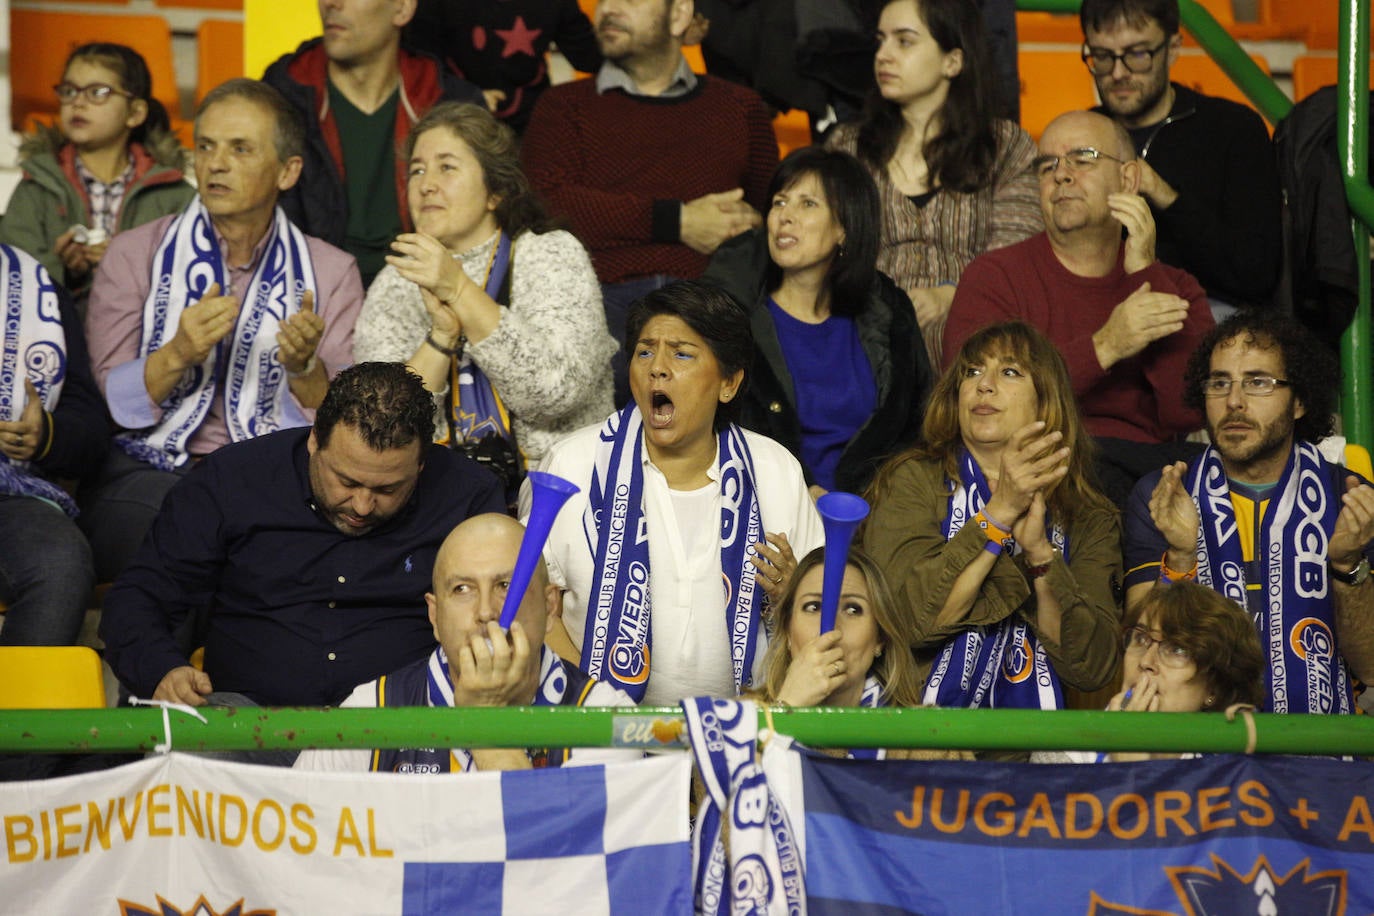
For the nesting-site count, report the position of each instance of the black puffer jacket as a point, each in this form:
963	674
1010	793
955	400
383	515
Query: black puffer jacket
890	340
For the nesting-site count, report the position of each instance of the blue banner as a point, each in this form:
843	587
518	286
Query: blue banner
1212	836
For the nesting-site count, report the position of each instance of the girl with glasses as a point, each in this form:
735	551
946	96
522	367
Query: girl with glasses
111	163
1185	648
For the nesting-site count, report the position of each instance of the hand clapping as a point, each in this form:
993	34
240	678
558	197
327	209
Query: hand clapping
423	260
1033	462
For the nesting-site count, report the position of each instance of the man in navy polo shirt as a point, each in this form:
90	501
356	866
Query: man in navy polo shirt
311	548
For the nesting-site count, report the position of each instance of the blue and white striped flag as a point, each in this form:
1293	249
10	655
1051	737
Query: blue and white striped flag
188	836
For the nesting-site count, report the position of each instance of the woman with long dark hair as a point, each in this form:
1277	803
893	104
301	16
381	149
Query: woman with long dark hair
954	179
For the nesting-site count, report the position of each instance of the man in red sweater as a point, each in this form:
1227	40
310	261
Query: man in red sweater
1124	322
654	166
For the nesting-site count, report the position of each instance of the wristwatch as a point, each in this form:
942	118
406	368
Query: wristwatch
1356	576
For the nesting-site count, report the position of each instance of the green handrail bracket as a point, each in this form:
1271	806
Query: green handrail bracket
130	730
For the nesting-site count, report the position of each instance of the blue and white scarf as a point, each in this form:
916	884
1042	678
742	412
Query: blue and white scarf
33	346
1296	622
477	408
615	646
872	697
553	684
1001	665
764	870
257	399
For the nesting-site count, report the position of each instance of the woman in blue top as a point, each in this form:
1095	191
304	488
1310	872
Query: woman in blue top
840	374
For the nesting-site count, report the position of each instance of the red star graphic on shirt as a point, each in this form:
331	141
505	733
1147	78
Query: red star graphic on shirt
519	38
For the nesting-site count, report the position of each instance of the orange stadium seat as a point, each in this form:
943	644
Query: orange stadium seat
1202	74
793	130
219	54
47	37
1322	19
1313	71
51	677
1048	28
1315	22
1052	82
1357	459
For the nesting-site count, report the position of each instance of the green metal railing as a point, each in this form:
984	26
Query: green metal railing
1357	393
128	730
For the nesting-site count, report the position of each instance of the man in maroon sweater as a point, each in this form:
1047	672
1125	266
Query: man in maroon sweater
654	166
1124	322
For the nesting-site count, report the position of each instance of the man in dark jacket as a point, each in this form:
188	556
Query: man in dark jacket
359	94
1206	164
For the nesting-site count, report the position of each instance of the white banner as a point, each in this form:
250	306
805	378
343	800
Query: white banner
187	836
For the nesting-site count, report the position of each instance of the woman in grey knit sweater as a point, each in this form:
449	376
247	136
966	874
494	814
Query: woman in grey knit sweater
500	317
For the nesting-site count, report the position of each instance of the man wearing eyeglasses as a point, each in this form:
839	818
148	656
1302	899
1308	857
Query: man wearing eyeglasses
1124	322
213	325
1263	517
1206	164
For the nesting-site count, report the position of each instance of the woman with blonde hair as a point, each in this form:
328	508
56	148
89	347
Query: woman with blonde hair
850	665
996	542
864	661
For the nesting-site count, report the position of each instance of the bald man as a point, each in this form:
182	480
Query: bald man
479	664
1124	322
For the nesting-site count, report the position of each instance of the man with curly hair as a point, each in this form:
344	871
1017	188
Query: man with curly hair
1263	517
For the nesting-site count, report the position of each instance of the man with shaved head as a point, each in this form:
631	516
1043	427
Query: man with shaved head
478	663
1124	322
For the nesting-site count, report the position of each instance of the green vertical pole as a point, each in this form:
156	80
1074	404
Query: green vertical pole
1352	134
1262	91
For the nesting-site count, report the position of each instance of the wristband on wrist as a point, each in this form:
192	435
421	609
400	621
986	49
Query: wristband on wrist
1169	576
46	445
1356	577
309	368
993	547
994	532
447	351
1039	570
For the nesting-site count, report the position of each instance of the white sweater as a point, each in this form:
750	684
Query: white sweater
549	357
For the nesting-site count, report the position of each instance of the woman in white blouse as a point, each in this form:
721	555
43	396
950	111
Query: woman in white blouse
686	525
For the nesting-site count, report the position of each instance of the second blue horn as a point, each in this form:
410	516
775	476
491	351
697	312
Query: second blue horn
549	493
840	514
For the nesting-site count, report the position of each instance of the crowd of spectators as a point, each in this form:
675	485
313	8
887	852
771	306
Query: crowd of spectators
288	411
